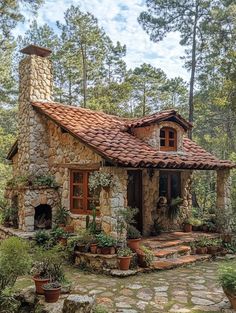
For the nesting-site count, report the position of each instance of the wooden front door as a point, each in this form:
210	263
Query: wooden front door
134	195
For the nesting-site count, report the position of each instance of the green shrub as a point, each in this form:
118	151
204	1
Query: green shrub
148	255
132	232
61	216
42	237
14	260
49	264
227	277
105	240
123	252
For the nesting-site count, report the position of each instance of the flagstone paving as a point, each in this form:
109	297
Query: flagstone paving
183	290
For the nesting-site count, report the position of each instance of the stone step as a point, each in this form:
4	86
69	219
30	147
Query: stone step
178	262
173	252
162	244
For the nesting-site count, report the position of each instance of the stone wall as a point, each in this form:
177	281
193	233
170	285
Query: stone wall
114	199
35	84
151	134
223	202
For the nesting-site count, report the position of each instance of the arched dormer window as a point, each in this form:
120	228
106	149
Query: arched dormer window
168	139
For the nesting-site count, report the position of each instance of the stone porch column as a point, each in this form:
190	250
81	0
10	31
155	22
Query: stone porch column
223	201
114	199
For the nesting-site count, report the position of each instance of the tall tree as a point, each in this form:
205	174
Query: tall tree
187	17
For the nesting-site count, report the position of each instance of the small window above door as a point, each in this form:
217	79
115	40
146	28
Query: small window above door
168	139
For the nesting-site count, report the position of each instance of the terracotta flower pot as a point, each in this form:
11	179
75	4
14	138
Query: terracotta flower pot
93	248
133	244
231	297
63	241
141	259
201	250
124	262
80	248
188	228
106	250
212	250
52	295
39	282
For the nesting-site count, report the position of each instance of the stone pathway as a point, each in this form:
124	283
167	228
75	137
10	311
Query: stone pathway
183	290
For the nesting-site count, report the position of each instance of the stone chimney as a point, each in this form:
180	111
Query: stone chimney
35	84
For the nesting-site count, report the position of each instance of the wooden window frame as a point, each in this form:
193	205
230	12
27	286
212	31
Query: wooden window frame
85	198
169	178
167	139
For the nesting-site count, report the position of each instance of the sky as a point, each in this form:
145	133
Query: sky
119	20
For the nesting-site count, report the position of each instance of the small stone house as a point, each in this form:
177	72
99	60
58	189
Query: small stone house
150	159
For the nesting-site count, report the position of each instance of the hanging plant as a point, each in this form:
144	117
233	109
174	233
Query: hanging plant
99	180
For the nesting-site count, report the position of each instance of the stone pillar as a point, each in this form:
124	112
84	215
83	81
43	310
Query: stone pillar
186	195
223	201
114	199
35	84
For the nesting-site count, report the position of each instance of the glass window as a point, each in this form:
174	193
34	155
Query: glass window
170	185
168	139
82	200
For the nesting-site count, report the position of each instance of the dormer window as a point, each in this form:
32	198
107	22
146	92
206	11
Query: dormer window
168	139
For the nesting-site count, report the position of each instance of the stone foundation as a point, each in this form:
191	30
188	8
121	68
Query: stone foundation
96	262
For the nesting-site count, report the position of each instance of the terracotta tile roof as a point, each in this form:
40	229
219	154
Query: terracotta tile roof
161	116
108	135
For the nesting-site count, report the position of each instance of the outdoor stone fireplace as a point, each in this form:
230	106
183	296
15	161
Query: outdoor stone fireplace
36	206
43	217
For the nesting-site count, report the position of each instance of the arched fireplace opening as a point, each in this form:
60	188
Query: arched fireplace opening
43	217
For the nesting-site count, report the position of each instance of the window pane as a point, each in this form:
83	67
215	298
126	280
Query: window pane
163	185
163	142
175	186
78	177
78	191
77	204
171	143
171	134
162	134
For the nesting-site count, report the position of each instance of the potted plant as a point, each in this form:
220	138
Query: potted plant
174	208
106	243
84	239
201	245
61	219
52	292
98	179
213	246
48	267
188	226
133	237
58	235
145	256
227	279
196	224
93	246
124	258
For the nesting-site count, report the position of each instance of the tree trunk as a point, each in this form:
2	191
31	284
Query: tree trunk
84	67
144	100
193	69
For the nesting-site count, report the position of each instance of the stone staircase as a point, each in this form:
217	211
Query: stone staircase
173	250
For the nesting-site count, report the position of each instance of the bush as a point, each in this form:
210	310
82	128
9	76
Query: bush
132	232
227	277
42	237
61	216
14	260
124	252
49	264
105	240
148	255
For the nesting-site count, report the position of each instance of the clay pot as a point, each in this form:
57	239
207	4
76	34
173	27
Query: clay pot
52	295
80	248
106	250
232	298
201	250
39	282
124	263
69	229
141	259
93	248
63	241
212	250
188	228
133	244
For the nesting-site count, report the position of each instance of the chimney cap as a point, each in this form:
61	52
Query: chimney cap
36	50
